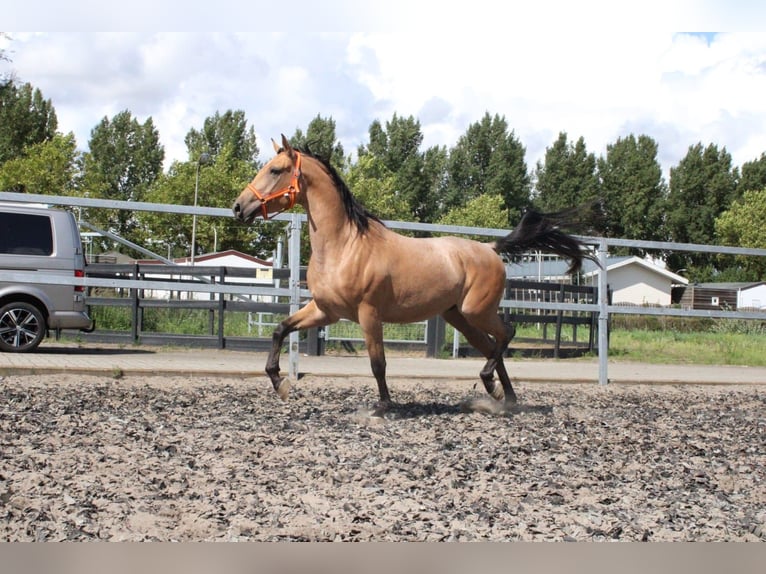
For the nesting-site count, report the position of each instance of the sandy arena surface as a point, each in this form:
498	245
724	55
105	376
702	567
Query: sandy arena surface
199	459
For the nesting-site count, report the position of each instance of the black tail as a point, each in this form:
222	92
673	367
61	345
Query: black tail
543	231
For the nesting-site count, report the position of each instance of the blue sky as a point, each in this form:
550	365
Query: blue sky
596	69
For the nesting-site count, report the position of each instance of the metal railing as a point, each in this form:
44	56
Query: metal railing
297	295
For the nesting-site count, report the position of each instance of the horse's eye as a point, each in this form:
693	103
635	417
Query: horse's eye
276	170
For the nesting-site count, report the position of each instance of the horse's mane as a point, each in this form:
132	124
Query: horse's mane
356	212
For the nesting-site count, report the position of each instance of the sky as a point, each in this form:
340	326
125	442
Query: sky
595	69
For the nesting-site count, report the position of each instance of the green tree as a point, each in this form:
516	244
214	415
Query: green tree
567	177
633	189
702	186
486	211
321	140
26	118
230	130
374	186
487	159
744	225
124	160
753	175
220	182
52	167
417	175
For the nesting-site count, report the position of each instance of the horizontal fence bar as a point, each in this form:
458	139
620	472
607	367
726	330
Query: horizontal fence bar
156	285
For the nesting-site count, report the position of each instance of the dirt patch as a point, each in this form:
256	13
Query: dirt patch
218	459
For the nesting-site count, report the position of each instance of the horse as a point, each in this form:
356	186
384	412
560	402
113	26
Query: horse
362	271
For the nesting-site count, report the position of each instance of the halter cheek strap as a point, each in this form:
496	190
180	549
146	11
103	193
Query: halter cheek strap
290	192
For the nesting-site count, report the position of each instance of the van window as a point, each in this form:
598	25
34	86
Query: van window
25	234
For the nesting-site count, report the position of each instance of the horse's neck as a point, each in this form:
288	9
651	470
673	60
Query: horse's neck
329	226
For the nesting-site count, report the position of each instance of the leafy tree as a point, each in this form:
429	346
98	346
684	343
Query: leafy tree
486	211
417	175
753	175
124	160
487	160
321	140
567	177
51	167
744	225
632	189
702	186
220	182
26	118
374	186
224	130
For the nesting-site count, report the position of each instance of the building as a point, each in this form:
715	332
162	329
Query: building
632	280
724	296
251	271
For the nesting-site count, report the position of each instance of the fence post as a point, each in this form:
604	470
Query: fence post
294	261
435	331
137	320
603	315
221	308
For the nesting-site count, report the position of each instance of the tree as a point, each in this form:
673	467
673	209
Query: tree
753	176
488	159
51	167
567	177
744	225
374	186
321	140
632	189
702	186
220	182
486	211
124	160
224	130
417	175
26	118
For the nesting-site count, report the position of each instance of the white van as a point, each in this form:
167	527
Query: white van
39	240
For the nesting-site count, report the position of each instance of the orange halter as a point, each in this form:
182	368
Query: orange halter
291	191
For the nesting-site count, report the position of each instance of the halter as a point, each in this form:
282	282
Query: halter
291	191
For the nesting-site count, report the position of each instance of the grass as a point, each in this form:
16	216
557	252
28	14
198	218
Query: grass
688	348
649	339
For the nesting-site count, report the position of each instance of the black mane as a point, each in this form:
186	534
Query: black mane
355	211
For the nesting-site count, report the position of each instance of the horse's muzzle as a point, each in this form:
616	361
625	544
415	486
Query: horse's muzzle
246	213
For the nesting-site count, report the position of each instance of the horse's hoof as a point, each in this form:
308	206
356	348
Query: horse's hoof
497	393
283	388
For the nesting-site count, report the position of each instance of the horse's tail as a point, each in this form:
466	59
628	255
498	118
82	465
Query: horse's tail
542	231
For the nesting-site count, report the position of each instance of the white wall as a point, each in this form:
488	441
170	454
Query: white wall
753	297
640	286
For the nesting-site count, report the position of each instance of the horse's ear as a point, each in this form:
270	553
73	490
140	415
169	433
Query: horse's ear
275	144
286	146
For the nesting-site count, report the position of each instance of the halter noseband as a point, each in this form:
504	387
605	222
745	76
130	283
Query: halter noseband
291	191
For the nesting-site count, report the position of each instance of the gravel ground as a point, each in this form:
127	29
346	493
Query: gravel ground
201	459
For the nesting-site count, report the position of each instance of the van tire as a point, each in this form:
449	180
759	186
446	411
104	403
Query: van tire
22	327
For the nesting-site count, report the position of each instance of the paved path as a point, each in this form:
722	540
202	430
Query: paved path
104	359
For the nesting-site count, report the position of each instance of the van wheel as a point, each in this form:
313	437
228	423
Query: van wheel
22	327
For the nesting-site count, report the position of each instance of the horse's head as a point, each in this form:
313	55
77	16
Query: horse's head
274	189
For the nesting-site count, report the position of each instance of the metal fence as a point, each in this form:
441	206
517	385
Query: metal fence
297	296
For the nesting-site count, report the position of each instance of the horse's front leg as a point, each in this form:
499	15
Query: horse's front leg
306	318
373	338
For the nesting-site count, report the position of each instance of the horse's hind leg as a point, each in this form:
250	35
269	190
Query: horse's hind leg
307	317
503	334
483	343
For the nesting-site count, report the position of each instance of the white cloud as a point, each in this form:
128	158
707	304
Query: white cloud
595	80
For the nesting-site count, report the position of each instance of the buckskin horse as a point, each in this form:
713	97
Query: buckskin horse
364	272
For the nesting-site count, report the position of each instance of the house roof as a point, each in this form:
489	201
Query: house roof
212	258
558	267
730	286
